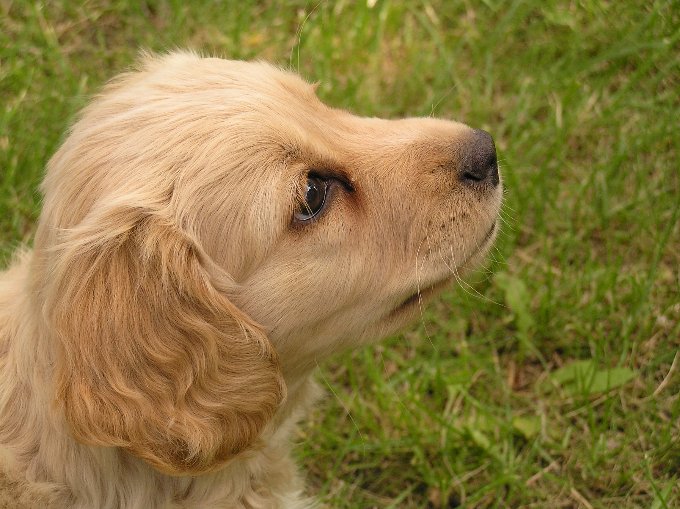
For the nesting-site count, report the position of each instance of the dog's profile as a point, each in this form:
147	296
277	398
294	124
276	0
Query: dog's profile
210	231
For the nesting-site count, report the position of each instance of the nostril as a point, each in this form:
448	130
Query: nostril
475	177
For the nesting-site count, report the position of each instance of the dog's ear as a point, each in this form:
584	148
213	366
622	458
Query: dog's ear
151	356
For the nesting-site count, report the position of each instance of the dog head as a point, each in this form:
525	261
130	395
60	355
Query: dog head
211	229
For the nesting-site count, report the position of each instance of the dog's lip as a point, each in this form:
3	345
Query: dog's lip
492	228
489	234
483	244
424	292
421	293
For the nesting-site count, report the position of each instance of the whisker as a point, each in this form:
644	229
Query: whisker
508	207
462	283
506	211
420	297
494	259
507	225
453	271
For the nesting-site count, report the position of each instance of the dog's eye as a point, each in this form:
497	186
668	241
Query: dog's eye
314	198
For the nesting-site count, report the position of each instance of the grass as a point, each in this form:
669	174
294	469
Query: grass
553	380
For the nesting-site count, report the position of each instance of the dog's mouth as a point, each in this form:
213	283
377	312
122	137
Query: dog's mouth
421	295
483	244
489	234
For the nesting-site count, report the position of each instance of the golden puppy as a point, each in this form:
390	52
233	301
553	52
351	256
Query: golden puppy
211	231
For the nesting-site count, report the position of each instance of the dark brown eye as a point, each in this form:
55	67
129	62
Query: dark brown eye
314	198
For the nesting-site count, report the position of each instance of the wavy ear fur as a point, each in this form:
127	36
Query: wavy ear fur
151	357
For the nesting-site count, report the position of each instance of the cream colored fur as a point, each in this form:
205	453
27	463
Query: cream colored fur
157	342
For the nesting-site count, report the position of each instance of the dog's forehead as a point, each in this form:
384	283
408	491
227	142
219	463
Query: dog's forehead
253	79
269	78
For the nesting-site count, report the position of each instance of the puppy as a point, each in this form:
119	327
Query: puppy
211	231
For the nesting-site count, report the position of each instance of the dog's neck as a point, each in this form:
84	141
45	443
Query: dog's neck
42	461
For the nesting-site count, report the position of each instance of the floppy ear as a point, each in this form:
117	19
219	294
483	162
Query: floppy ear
151	357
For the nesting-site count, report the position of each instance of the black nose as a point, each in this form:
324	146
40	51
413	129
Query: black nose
478	159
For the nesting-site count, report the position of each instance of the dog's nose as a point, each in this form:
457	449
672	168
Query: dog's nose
478	160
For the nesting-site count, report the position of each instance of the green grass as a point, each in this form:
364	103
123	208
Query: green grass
481	404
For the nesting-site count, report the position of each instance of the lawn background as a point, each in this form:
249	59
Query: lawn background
548	381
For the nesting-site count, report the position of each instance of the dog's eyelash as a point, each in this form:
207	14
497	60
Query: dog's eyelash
338	176
333	174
